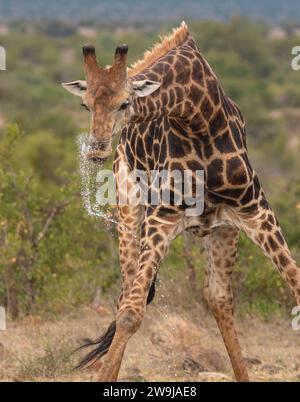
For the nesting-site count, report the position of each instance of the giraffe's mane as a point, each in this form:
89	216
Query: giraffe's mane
167	43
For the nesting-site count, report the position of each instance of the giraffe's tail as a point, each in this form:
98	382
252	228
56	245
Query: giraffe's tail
103	343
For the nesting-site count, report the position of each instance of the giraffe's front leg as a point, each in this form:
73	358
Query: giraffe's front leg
130	217
221	247
263	228
129	246
129	241
155	238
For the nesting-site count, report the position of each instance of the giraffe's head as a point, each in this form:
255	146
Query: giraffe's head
107	93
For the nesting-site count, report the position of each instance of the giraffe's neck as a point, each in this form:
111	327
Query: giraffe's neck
189	89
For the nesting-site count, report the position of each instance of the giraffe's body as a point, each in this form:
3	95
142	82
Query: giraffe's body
189	123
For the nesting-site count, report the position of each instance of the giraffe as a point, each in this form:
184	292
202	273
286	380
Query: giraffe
172	113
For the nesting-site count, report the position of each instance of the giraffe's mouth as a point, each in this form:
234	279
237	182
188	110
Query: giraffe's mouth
98	157
99	151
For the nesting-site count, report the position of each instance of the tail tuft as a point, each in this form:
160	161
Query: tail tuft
102	345
151	293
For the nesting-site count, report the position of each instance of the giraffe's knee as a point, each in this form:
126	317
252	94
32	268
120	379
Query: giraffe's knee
219	298
129	321
293	278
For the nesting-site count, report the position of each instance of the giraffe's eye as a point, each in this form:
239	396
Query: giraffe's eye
124	105
85	106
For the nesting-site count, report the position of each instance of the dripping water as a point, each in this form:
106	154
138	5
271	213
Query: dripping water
88	173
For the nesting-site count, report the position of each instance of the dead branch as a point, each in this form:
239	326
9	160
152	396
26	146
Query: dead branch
51	216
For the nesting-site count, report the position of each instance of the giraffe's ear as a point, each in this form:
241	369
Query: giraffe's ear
145	87
77	88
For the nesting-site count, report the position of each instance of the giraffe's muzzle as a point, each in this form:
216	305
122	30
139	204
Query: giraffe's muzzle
99	151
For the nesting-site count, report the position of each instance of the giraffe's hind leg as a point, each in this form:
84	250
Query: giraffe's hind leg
221	246
262	227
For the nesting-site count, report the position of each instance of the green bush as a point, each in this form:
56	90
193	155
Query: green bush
52	257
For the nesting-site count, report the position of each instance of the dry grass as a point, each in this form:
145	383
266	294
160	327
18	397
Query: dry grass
171	346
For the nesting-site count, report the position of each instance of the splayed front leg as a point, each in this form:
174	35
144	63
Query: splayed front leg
155	238
221	247
262	227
